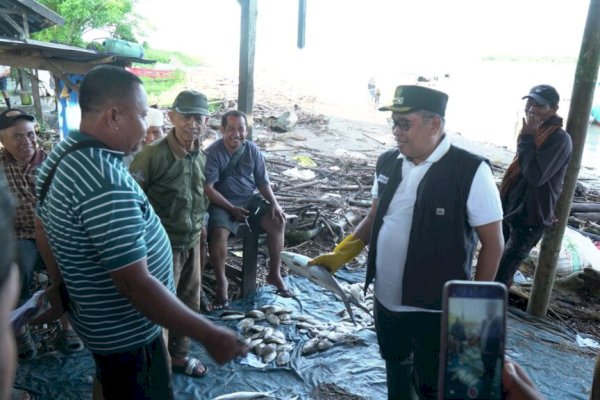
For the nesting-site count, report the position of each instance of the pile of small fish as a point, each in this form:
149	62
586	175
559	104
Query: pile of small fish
259	331
364	303
469	368
326	335
265	341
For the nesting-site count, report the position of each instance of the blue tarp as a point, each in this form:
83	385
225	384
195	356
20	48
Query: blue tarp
560	368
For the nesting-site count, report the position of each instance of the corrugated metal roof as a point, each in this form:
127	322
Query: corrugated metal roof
19	18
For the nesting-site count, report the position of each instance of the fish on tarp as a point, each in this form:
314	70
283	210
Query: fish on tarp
319	275
245	396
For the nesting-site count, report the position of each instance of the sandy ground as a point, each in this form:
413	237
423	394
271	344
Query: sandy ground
352	126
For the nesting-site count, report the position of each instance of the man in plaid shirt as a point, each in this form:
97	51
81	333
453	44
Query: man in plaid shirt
20	158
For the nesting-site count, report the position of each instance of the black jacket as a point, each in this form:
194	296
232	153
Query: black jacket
533	198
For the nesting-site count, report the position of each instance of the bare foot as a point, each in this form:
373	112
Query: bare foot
276	280
221	300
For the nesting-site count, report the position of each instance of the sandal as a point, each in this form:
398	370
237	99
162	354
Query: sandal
190	368
26	346
71	342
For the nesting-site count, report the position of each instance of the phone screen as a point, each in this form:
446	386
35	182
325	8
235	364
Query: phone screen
473	340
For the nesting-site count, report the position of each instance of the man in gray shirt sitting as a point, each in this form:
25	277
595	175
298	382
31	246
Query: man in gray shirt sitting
235	170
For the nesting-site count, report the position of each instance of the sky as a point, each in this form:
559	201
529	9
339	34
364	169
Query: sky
348	41
367	32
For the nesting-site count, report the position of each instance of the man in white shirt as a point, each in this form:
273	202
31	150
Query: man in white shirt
431	203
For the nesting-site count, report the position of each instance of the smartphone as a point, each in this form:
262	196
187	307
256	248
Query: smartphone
473	335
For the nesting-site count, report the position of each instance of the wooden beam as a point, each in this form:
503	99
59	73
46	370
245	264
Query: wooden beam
25	25
56	71
43	11
22	61
35	91
247	52
12	23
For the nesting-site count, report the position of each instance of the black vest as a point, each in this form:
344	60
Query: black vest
441	242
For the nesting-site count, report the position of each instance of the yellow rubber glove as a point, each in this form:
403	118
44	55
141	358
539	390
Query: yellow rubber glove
345	251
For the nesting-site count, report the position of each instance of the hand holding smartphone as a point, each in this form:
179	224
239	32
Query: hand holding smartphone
472	340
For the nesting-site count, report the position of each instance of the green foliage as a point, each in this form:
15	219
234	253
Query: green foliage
170	57
163	91
83	15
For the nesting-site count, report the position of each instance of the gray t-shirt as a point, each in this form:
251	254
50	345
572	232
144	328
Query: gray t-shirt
249	174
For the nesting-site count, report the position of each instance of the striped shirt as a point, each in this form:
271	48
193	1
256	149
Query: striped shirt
98	220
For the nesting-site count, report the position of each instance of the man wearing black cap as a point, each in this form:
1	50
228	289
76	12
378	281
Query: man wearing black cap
430	199
533	181
20	159
171	172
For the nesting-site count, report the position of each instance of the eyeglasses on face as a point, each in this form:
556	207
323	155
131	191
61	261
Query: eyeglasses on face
402	124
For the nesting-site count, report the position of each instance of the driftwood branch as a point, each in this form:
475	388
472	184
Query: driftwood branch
588	216
585	207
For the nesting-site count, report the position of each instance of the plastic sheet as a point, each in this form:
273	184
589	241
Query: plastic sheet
550	354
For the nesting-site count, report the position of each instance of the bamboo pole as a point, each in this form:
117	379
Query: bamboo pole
584	84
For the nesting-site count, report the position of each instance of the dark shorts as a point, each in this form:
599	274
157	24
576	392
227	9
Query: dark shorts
220	218
142	373
3	83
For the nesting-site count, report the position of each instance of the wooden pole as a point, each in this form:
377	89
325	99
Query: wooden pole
35	92
247	52
584	84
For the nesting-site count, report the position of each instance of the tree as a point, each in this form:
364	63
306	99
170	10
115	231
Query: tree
114	16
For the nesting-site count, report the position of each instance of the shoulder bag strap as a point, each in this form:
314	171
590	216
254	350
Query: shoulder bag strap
233	162
75	147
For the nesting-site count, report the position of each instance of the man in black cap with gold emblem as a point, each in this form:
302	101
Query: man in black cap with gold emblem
430	199
533	181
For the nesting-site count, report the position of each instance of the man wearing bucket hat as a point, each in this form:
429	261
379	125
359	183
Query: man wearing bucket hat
171	172
533	181
430	199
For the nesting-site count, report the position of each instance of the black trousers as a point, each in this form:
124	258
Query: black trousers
519	240
138	374
409	342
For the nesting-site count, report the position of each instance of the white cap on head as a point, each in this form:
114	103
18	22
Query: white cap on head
155	117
